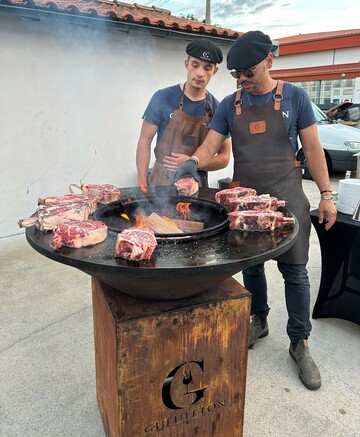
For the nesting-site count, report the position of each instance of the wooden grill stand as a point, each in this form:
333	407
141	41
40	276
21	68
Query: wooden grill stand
172	368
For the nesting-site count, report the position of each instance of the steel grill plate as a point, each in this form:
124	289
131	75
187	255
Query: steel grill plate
178	269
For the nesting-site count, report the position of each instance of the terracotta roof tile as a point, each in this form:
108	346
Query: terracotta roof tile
125	12
317	42
310	37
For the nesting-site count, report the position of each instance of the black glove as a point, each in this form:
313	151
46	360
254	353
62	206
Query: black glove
189	168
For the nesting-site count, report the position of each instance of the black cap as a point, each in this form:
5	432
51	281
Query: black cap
205	50
248	50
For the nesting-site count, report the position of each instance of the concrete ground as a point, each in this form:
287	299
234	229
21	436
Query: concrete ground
47	365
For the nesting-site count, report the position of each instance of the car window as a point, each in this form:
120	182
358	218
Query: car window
320	116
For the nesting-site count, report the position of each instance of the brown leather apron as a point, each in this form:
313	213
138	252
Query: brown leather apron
264	159
183	134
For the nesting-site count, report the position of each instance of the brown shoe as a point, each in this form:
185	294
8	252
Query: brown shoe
308	372
258	329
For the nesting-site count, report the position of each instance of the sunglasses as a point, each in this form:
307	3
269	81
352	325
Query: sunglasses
249	72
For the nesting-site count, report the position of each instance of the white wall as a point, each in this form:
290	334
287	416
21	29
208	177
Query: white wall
72	98
317	59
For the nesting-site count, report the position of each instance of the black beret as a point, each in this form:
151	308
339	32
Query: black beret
205	50
249	50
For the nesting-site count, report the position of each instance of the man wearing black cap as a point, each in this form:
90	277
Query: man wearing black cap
265	118
180	115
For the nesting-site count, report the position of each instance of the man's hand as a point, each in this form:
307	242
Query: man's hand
327	211
189	168
174	161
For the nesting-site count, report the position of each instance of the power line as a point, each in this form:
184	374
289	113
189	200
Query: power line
163	3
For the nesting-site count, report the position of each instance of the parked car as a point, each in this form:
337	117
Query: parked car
340	143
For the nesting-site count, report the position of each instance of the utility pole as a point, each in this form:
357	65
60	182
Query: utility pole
207	12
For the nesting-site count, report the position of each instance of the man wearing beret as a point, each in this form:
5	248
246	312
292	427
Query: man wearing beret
265	117
180	115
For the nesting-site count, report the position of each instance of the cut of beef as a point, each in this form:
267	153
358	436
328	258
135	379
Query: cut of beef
187	186
264	202
259	220
105	193
224	196
47	217
135	244
69	198
78	234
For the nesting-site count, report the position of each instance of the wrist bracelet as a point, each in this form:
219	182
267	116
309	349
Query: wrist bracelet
196	159
327	197
325	191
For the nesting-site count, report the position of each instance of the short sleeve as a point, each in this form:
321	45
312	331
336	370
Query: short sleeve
221	121
306	116
154	110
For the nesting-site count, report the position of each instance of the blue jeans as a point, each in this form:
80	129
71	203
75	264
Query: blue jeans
297	296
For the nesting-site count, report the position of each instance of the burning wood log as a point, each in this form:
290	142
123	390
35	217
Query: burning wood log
161	225
189	225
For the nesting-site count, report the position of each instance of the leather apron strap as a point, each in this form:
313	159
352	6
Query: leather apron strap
277	98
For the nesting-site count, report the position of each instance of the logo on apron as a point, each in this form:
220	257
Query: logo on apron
258	127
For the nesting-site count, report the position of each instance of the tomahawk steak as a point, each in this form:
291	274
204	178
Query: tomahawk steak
105	193
47	217
224	196
135	244
69	198
259	220
78	234
263	202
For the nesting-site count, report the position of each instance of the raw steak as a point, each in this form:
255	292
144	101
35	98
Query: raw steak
264	202
105	193
259	220
187	186
47	217
69	198
224	196
78	234
135	244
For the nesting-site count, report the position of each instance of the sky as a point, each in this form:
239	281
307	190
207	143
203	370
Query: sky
277	18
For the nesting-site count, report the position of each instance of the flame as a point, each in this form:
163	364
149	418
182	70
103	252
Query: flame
143	188
169	220
184	208
125	216
140	220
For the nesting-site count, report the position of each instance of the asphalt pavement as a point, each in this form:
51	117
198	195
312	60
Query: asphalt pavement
47	362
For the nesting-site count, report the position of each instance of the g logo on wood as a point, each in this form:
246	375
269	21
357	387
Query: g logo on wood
184	385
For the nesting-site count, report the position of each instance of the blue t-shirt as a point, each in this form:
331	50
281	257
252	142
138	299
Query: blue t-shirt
296	109
165	101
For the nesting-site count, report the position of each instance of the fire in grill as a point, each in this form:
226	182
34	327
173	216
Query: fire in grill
186	267
169	216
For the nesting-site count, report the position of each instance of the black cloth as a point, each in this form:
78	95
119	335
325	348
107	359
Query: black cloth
339	291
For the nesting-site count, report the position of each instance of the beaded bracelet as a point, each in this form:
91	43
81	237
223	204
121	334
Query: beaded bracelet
327	197
325	191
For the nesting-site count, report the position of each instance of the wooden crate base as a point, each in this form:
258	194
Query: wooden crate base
172	368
